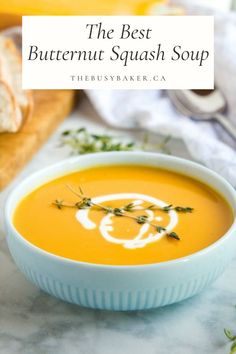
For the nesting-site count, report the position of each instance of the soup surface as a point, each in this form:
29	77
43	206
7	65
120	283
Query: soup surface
147	231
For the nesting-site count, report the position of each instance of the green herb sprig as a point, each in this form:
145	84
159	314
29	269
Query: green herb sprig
81	141
124	211
232	338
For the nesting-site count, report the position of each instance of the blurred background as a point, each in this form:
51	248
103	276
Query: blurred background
12	10
155	112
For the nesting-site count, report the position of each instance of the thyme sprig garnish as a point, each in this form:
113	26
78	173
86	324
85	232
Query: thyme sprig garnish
232	338
167	208
81	141
124	211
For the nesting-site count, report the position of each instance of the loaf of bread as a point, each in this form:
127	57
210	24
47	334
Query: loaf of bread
10	113
15	103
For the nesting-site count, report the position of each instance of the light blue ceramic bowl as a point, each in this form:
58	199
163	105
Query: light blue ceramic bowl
121	287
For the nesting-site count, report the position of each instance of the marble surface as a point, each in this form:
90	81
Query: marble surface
33	322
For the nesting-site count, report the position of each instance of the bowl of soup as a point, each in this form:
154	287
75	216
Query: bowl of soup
122	230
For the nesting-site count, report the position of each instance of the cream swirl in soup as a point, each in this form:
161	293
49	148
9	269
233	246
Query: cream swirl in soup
145	234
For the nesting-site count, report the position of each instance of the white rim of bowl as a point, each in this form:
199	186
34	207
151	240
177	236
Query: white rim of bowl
9	211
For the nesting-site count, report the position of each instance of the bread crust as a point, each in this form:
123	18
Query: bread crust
10	113
11	82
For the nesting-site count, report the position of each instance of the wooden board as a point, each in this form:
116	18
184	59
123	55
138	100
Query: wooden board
50	108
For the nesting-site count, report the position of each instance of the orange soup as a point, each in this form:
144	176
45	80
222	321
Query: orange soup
123	215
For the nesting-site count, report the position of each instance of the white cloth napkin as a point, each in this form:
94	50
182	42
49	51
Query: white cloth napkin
151	110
